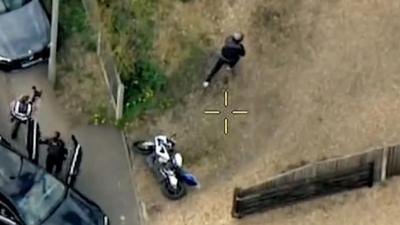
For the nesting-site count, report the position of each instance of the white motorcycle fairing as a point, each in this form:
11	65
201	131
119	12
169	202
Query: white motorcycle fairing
178	159
172	179
161	143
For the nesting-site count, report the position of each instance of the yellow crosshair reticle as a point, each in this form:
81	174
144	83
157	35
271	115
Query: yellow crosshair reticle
234	112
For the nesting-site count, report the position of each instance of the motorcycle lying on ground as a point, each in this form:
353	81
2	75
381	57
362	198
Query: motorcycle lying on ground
167	166
19	119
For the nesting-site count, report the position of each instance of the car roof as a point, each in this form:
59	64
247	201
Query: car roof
10	163
11	166
28	31
11	160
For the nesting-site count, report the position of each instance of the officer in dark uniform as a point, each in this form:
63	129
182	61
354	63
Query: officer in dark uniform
56	153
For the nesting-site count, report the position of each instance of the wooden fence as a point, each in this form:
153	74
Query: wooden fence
393	161
317	179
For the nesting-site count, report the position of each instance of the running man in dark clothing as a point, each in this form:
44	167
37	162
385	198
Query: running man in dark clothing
231	53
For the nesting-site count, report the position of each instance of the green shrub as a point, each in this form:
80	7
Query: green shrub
131	35
142	86
131	29
73	21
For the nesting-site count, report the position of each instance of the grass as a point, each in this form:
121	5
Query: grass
73	23
131	31
80	85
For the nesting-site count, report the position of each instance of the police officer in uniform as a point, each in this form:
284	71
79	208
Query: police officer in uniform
56	153
22	109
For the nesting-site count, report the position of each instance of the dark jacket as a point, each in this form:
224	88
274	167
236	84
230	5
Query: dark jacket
56	148
232	50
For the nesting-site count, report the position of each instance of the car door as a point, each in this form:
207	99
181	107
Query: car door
7	215
32	140
6	221
74	162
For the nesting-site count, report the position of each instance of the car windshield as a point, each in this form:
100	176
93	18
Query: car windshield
40	194
10	5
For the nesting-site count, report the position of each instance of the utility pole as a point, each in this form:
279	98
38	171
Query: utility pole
53	43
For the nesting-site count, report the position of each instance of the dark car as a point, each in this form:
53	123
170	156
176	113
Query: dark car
24	33
31	196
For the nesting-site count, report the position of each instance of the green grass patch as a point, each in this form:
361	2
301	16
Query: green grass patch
131	34
73	23
77	71
131	30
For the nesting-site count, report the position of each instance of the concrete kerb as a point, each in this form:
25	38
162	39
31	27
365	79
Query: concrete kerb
140	205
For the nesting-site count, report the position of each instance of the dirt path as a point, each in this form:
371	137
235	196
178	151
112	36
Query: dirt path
320	80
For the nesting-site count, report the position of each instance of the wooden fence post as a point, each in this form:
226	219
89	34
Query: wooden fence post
98	43
384	163
371	174
234	212
120	101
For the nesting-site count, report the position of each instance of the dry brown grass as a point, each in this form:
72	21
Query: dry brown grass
81	88
175	34
320	80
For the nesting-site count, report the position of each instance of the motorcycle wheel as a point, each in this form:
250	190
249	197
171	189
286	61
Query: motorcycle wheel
142	148
15	129
173	194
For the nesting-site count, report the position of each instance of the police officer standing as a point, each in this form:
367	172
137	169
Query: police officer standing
56	153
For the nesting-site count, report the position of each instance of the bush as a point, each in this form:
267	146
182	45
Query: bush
73	21
131	35
131	31
146	80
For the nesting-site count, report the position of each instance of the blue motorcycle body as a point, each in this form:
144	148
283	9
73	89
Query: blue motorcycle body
189	179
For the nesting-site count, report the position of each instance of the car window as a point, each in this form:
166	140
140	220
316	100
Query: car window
7	216
10	5
10	165
40	196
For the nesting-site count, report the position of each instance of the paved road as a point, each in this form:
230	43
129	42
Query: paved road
104	174
103	150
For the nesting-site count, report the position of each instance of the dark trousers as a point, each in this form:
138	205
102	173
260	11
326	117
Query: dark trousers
53	162
220	63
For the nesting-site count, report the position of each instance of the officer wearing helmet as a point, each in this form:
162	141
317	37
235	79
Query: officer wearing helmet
231	53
